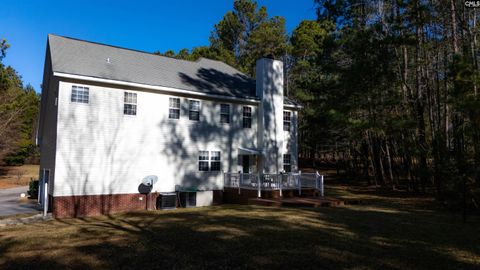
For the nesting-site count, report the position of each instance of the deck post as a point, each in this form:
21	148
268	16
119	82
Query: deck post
321	185
281	183
299	183
240	178
259	192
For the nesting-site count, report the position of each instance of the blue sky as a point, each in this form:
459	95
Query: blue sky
142	25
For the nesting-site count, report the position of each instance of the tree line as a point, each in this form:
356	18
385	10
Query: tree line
390	87
399	91
18	115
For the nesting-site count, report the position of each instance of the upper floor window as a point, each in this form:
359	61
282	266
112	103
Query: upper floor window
79	94
194	110
130	103
174	108
247	117
287	120
287	163
225	113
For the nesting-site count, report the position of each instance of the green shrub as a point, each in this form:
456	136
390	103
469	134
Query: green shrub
33	189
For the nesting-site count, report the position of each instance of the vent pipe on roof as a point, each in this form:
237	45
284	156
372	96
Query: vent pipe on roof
108	60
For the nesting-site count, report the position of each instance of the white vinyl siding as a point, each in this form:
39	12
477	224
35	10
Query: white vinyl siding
115	152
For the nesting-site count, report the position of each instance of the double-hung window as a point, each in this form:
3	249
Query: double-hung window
215	162
174	108
247	117
287	163
224	113
130	103
209	161
287	120
79	94
194	110
203	161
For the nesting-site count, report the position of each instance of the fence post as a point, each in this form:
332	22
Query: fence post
259	192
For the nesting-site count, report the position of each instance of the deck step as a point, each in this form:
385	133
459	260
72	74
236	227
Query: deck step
314	202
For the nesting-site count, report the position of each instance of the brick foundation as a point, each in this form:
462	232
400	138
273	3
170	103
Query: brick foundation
92	205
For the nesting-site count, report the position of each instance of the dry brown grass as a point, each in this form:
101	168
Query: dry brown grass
388	232
14	176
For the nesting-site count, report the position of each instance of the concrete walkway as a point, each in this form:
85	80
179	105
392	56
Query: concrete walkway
12	204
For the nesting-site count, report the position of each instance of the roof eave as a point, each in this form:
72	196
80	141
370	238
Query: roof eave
152	87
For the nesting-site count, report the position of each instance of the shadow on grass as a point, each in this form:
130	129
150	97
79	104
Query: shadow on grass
235	237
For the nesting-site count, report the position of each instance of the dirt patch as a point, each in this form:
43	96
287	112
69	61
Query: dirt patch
14	176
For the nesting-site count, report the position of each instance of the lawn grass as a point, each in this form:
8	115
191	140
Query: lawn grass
15	176
384	232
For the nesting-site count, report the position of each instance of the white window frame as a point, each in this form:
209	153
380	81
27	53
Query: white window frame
215	158
225	113
204	159
285	121
289	163
209	161
244	117
130	99
174	108
190	101
77	94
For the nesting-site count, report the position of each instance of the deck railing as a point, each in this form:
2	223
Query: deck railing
268	181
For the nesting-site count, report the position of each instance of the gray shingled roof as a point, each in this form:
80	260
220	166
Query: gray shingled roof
85	58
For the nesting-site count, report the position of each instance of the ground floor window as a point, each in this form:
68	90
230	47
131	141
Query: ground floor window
203	161
215	161
287	163
209	161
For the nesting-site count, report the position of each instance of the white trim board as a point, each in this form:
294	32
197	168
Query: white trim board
161	88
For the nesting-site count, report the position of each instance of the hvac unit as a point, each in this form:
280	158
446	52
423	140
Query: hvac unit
167	201
188	199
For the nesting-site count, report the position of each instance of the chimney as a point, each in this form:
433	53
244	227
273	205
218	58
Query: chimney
269	88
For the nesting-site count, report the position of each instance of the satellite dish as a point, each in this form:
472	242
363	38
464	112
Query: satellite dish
149	180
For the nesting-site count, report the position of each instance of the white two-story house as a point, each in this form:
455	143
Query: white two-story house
112	116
